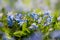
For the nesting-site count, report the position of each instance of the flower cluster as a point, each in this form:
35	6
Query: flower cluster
48	18
29	26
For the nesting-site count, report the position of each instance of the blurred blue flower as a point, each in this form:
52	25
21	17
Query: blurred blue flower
11	17
4	37
10	20
18	16
46	14
34	36
55	34
1	24
33	26
34	16
19	19
8	8
20	22
48	20
10	23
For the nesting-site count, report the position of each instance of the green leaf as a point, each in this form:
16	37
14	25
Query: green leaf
24	28
57	26
19	33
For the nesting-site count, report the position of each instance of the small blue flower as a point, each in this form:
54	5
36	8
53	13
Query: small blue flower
11	17
34	16
4	37
10	23
18	17
33	26
55	34
10	20
46	14
46	24
34	36
48	18
20	22
8	8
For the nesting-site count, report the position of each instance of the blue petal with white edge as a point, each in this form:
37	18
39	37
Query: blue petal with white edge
33	26
18	16
10	20
34	16
20	22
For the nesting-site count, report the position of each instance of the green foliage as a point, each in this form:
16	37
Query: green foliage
24	31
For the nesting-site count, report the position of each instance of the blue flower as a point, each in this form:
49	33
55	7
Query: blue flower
11	17
8	8
55	34
46	14
20	22
18	16
34	36
10	20
33	26
48	20
50	17
4	37
34	16
10	23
